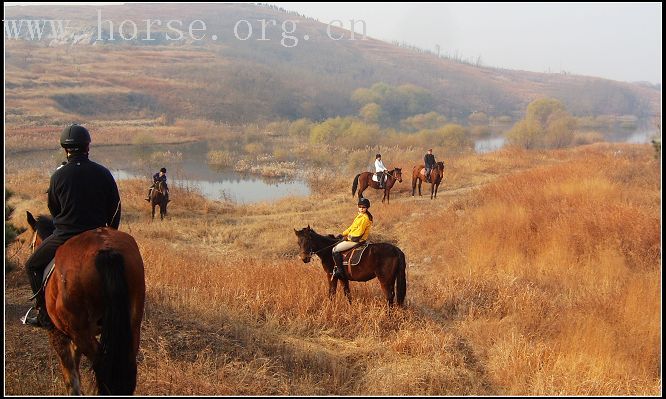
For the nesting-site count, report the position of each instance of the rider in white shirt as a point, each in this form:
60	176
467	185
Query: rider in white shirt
380	169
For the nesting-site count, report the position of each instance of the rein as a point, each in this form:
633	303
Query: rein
332	245
391	174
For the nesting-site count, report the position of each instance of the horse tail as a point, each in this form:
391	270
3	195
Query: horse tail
115	370
355	185
401	282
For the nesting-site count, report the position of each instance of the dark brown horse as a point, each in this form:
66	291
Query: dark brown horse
382	260
96	288
364	180
158	197
436	175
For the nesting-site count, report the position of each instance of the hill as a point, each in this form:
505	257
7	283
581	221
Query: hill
250	74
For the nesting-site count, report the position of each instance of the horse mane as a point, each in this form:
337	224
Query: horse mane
44	225
314	234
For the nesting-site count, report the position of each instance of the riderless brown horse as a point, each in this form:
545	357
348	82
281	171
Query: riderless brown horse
384	261
436	175
364	180
158	197
97	288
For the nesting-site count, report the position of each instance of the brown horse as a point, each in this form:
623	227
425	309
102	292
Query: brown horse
364	180
436	175
158	197
382	260
96	288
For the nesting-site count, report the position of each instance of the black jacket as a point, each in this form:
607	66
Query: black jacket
157	178
429	160
82	196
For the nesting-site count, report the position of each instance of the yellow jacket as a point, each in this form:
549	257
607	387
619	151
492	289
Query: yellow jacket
359	228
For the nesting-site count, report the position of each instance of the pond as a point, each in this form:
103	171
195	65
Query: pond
186	168
642	134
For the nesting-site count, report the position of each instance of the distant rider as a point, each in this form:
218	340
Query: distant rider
159	177
429	160
380	169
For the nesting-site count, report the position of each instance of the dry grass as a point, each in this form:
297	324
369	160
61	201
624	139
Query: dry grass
542	280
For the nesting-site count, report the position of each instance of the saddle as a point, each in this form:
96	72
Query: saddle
423	173
352	257
45	277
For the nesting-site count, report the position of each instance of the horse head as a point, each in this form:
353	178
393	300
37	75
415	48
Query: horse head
305	243
42	227
397	174
161	187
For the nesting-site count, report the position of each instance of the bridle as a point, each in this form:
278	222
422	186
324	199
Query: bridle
33	241
313	252
391	174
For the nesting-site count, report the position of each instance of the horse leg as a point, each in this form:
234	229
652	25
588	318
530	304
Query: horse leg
153	212
69	359
389	290
420	181
161	212
413	185
345	286
332	287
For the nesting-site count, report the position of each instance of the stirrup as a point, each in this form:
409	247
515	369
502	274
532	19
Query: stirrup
25	317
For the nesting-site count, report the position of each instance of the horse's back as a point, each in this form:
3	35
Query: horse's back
375	261
75	293
84	247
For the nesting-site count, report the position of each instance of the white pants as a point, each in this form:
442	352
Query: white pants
345	245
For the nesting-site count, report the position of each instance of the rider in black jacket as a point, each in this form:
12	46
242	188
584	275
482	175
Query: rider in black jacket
429	160
82	196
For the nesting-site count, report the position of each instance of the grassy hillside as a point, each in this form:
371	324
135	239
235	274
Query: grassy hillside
238	81
533	273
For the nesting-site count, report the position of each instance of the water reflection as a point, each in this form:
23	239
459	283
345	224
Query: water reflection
489	145
186	165
238	188
642	134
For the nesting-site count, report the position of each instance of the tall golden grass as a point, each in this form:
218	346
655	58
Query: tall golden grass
534	273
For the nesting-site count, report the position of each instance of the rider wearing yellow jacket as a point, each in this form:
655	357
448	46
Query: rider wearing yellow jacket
360	228
355	234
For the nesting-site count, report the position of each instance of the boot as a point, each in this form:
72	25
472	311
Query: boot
338	270
42	318
148	197
35	281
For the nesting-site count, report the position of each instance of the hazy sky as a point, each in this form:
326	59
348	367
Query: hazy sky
620	41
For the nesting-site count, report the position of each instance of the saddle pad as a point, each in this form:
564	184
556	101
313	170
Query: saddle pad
374	178
353	256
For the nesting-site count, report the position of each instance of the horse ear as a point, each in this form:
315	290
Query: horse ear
31	220
308	226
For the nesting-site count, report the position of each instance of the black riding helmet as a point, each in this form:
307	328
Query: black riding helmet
163	170
364	202
75	137
378	156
